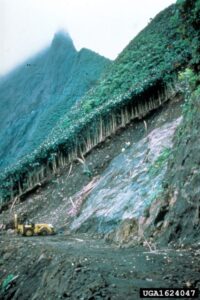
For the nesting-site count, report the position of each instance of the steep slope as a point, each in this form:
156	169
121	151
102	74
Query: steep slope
141	79
177	217
37	94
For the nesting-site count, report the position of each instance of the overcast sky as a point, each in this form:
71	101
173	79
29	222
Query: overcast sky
105	26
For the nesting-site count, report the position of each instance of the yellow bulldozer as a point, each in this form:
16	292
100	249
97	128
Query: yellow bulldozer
30	229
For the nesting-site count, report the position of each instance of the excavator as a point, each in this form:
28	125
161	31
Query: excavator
30	229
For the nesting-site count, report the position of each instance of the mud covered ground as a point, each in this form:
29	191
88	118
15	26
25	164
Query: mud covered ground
78	267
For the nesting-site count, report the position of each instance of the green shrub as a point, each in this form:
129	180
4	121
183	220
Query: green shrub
159	162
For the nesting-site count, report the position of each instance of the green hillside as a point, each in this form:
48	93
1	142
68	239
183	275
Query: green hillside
39	92
141	79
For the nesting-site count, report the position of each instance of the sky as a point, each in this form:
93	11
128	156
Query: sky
104	26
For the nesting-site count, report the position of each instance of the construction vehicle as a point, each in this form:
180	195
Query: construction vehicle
30	229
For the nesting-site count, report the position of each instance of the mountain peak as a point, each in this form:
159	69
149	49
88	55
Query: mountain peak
61	34
62	38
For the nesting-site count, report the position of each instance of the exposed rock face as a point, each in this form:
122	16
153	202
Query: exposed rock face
131	182
39	92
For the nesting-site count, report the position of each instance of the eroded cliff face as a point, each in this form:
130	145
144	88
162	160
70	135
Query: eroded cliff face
110	192
140	184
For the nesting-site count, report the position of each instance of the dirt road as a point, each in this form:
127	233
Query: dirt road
79	267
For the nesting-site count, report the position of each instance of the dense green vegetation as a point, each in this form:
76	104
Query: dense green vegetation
140	80
189	12
189	79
